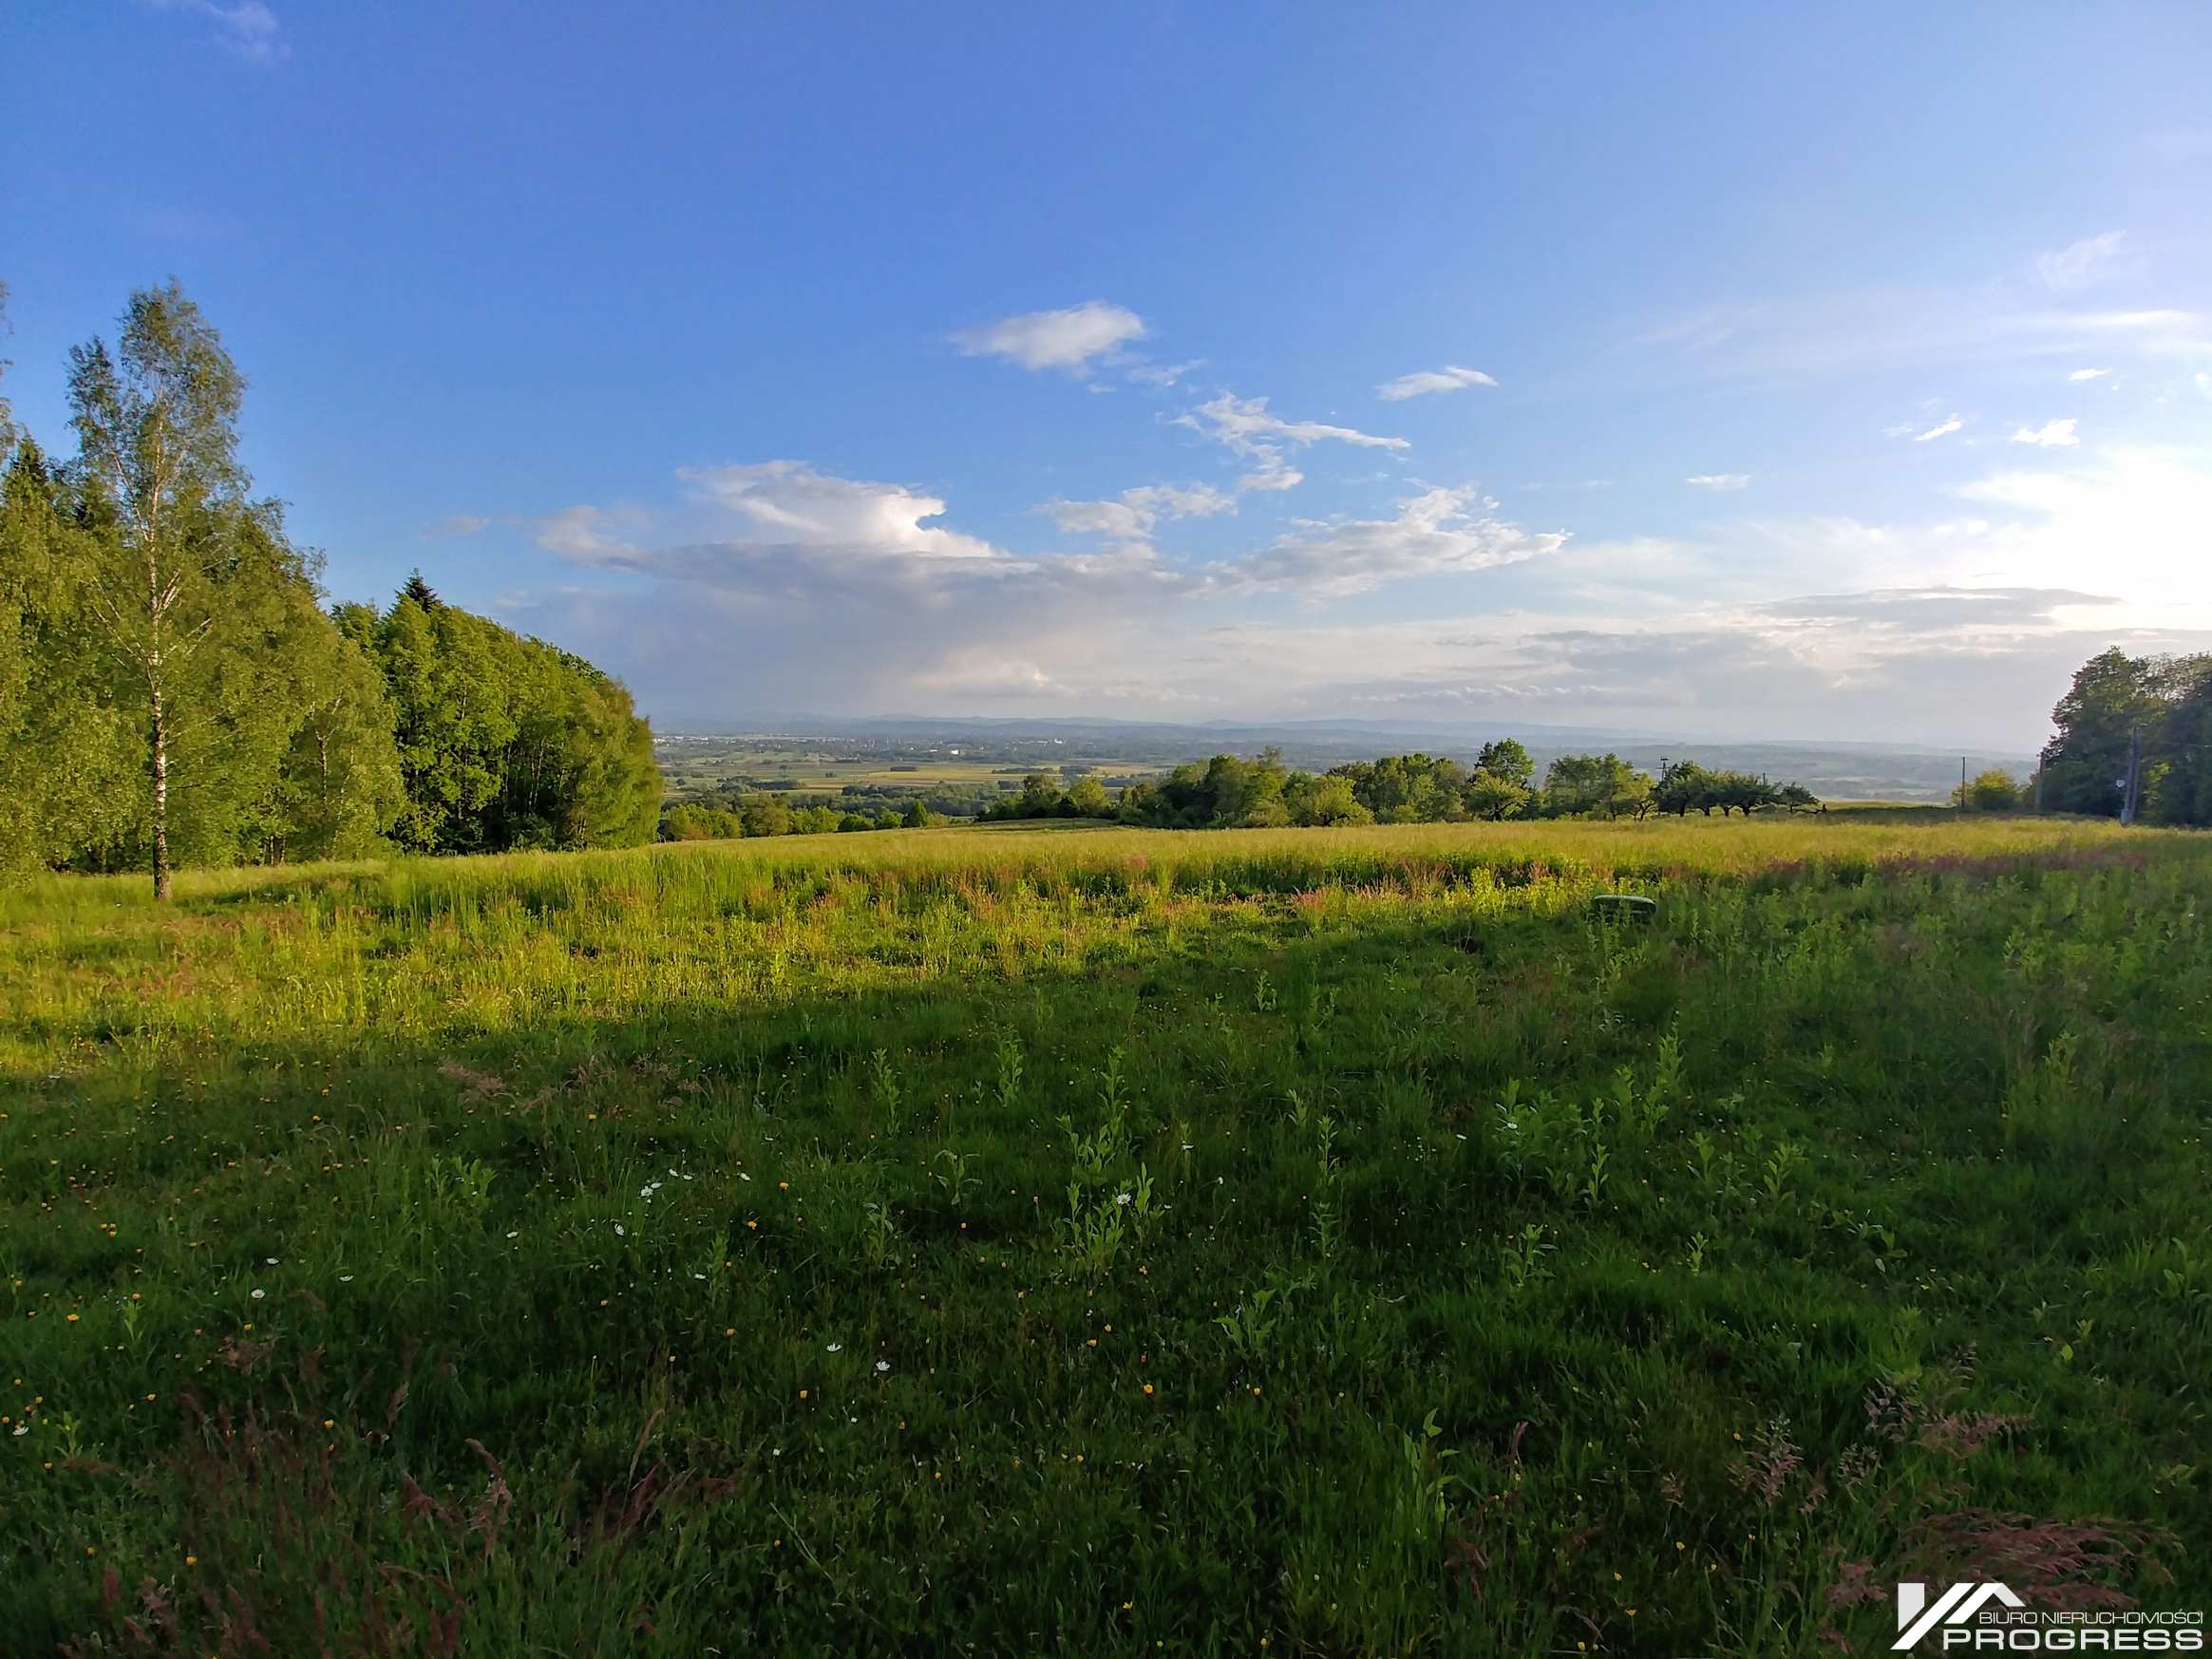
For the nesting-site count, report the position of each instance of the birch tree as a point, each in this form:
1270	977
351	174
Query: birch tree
157	430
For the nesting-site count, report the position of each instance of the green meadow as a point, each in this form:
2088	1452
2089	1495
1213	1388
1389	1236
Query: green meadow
1107	1242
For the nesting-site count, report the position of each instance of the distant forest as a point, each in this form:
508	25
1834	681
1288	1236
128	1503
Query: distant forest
173	691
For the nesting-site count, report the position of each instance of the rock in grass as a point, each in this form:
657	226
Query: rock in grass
1624	907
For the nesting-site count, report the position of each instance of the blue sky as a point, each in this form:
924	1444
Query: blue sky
1748	371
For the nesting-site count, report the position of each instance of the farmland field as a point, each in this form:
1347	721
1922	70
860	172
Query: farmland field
1108	1242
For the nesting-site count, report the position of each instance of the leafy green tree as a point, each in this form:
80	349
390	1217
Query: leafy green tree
2113	697
1580	785
1088	798
1685	786
202	616
1506	758
1494	794
766	814
1994	790
917	815
1329	799
164	496
339	786
70	766
1741	792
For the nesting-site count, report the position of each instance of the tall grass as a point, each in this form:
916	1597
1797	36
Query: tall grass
1107	1242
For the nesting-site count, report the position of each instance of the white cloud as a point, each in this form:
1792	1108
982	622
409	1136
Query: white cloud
788	504
1430	380
2088	373
1067	339
1245	426
590	534
2080	263
1133	517
1241	425
248	29
2050	435
1941	430
1719	481
1437	533
1163	374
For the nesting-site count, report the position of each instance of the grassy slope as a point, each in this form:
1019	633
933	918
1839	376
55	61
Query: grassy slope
754	1209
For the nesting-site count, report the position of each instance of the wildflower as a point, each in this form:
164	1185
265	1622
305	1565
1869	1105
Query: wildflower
882	1366
72	1319
836	1347
1122	1199
1147	1387
260	1293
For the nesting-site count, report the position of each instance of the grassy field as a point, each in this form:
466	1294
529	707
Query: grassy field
1108	1242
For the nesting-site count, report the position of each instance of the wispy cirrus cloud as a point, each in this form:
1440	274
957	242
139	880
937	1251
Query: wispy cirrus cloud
2080	264
1138	511
1941	430
247	29
590	534
2089	374
1247	427
2050	435
1440	532
1072	340
1720	480
1428	382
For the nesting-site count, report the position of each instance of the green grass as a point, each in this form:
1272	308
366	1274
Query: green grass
725	1249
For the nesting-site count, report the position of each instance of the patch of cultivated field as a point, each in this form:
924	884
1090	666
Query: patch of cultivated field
1108	1242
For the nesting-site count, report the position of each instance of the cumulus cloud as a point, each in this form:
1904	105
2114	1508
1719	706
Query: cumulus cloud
2079	264
1719	481
787	504
1070	339
248	29
1941	430
1428	381
2050	435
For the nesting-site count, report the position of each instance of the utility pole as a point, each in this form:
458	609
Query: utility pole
2131	791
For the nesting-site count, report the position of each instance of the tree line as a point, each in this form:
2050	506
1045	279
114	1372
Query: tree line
174	690
1234	792
2132	737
